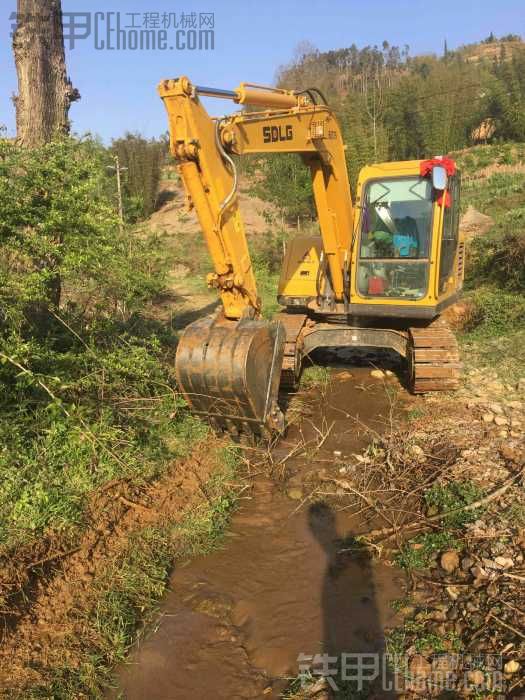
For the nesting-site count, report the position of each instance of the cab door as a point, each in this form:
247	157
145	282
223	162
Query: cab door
446	277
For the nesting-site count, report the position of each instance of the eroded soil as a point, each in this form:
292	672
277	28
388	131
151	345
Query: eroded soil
50	593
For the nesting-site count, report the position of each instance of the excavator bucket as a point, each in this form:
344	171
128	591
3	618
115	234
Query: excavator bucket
229	371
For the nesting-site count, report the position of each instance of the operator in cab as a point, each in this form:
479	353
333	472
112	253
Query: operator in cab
405	239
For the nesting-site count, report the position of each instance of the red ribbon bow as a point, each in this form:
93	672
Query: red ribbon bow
425	170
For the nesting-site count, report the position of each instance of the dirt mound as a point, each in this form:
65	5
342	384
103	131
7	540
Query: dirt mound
458	315
173	216
50	628
474	223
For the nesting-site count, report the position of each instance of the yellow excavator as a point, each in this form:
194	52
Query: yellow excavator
379	273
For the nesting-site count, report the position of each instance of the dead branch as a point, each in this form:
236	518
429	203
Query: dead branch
389	531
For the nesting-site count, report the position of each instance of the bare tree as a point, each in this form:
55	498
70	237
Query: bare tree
45	92
374	95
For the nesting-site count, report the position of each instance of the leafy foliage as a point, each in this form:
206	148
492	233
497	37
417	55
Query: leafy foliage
286	182
86	391
451	497
418	552
142	159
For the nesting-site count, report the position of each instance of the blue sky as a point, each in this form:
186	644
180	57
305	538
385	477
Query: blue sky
251	40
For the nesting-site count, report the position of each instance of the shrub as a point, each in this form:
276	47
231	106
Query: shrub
143	159
495	312
87	393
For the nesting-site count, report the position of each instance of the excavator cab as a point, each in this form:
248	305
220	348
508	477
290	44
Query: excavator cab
378	274
400	217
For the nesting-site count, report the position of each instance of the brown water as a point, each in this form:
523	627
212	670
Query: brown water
235	621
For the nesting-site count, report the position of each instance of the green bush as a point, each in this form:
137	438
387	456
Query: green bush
499	258
495	312
87	393
142	159
286	181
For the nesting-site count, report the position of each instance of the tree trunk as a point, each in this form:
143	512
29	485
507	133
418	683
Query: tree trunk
45	92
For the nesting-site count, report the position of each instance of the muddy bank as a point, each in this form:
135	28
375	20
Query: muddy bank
290	582
76	609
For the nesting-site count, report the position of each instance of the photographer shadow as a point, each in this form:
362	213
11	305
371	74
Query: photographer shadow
351	620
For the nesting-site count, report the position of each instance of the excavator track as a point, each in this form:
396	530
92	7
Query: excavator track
433	358
293	324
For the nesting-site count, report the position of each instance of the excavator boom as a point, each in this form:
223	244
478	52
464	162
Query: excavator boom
228	366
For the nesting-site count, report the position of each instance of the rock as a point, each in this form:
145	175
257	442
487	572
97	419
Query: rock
511	667
453	614
466	563
449	561
510	453
344	375
496	387
476	677
489	563
503	562
337	453
487	417
407	610
295	494
389	373
419	667
377	374
492	589
417	451
496	408
452	592
478	572
501	420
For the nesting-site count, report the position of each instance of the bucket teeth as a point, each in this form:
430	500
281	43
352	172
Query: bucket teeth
228	371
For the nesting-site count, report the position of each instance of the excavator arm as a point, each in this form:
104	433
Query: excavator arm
228	366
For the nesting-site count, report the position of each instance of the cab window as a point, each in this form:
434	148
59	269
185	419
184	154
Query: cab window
396	232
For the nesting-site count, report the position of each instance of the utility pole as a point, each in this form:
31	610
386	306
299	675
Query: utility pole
118	170
119	194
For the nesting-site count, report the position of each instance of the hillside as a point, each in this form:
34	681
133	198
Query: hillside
493	50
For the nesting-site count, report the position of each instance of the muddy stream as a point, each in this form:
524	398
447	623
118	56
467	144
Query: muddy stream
235	622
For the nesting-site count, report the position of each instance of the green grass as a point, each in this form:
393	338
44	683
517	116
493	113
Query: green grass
315	376
480	157
449	497
504	353
418	552
414	632
267	282
415	414
427	545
